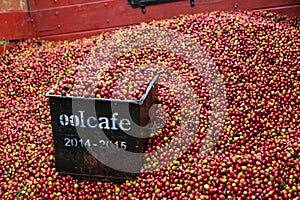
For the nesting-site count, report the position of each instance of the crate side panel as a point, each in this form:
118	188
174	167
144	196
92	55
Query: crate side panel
71	148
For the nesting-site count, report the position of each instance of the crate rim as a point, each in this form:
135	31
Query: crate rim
138	101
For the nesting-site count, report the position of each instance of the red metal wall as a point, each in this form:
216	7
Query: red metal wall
14	21
69	19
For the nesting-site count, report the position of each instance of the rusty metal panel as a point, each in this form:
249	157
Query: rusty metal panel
110	14
264	4
46	4
97	15
293	10
75	35
83	17
71	19
15	25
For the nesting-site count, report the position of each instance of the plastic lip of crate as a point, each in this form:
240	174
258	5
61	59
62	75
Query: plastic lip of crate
138	101
79	162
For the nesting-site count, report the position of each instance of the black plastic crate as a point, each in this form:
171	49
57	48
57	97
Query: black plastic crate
73	115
